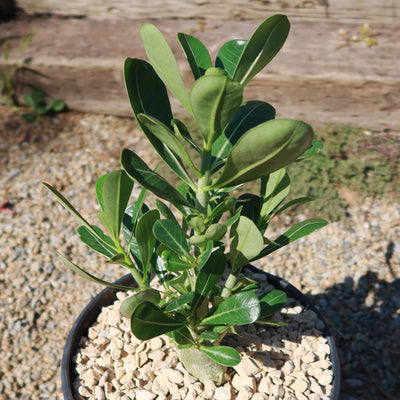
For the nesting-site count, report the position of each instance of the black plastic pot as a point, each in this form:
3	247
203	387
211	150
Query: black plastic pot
106	297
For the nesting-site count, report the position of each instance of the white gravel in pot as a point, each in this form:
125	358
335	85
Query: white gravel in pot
291	362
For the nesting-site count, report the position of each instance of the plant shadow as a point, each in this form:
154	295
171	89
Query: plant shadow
364	318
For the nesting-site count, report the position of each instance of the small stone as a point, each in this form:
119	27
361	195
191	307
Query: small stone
209	388
299	385
259	396
247	367
244	394
223	393
99	393
145	395
173	375
239	382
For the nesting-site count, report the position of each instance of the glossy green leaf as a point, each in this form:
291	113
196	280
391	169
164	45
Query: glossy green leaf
292	203
149	321
145	238
246	243
105	246
182	132
214	99
80	271
262	47
196	53
239	309
116	189
229	55
272	302
129	305
182	336
209	276
264	149
135	210
68	206
164	134
171	235
163	61
138	170
176	264
251	206
164	210
295	232
99	193
277	187
148	95
249	115
205	255
224	355
179	302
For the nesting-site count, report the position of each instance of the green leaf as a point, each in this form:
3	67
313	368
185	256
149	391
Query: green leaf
29	100
68	206
294	202
179	302
209	276
264	149
196	53
276	190
149	321
129	305
229	55
132	213
115	190
164	210
315	148
251	206
182	336
58	105
105	246
138	170
246	243
239	309
176	264
295	232
161	131
214	99
99	191
224	355
182	132
145	238
249	115
262	47
148	95
171	235
163	61
91	277
272	302
205	255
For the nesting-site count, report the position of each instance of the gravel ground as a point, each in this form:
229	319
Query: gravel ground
350	268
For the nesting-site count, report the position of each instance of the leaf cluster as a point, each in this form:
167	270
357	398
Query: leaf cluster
201	233
37	102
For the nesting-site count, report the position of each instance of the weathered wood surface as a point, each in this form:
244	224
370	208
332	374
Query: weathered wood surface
315	77
379	11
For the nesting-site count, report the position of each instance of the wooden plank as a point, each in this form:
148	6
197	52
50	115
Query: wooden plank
377	11
316	77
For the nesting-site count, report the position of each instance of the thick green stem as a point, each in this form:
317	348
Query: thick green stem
202	196
229	284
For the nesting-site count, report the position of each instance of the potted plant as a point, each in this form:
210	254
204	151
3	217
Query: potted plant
202	232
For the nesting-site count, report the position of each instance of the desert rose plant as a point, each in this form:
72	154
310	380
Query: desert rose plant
203	231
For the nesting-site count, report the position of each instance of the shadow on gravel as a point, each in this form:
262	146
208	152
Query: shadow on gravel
364	317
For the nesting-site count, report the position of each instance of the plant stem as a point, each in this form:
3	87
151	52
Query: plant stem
202	196
229	284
